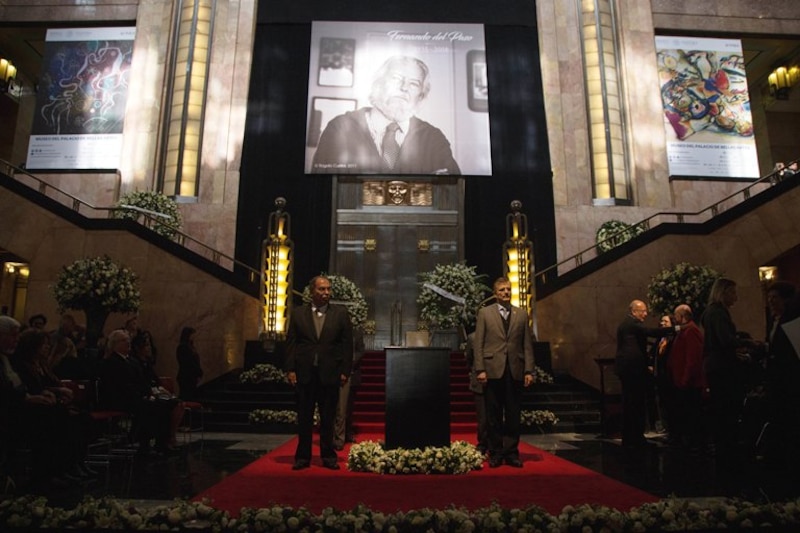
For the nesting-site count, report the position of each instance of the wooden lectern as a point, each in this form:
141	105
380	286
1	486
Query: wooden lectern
417	397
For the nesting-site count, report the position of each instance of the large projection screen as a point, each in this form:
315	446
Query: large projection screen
364	75
80	103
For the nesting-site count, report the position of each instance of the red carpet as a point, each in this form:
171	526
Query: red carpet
545	480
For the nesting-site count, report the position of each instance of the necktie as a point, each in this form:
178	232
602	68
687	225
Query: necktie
389	147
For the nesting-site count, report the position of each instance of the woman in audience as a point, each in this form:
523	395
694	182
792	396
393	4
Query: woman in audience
141	350
55	431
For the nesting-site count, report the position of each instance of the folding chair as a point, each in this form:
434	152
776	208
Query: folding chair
189	408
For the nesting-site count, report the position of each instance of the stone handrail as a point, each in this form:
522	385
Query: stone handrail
144	218
574	261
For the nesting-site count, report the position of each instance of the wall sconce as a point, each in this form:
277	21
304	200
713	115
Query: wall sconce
781	81
518	259
7	74
767	274
276	275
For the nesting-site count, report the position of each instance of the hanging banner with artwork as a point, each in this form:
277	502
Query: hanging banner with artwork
81	97
398	98
706	106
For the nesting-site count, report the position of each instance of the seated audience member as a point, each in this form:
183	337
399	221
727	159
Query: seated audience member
64	361
73	331
133	329
163	399
123	387
53	431
38	322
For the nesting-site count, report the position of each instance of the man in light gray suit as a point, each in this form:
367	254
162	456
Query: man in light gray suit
503	364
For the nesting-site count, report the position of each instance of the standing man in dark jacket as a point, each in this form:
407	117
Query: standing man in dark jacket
631	367
319	361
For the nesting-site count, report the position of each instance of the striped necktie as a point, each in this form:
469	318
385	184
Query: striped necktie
390	150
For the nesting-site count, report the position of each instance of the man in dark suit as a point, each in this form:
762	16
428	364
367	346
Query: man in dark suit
631	367
319	348
124	387
503	351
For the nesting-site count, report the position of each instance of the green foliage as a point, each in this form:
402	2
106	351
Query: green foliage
683	283
612	233
151	201
457	279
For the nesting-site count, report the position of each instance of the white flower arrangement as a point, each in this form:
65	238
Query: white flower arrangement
263	373
542	377
714	514
345	291
267	416
370	327
97	284
151	201
459	281
612	233
683	283
370	456
274	416
538	418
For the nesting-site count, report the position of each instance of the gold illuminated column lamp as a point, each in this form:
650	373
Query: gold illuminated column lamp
7	73
276	275
185	104
604	100
518	260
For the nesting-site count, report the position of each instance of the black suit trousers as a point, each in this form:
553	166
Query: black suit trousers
503	410
309	395
635	385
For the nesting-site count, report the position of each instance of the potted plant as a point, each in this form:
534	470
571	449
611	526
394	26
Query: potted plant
450	296
162	210
612	233
683	283
97	286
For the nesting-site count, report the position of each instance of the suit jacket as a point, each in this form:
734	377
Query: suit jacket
122	383
632	345
333	349
493	346
346	147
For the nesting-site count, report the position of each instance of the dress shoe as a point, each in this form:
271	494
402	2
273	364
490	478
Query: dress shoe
331	464
516	463
299	465
495	462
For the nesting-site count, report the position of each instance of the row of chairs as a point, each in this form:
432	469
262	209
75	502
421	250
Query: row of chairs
190	408
112	428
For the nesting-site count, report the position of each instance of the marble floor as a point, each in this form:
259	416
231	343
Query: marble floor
661	470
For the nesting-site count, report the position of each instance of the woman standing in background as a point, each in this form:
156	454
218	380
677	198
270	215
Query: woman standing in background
189	369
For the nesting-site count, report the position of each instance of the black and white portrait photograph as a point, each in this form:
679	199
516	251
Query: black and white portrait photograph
413	86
